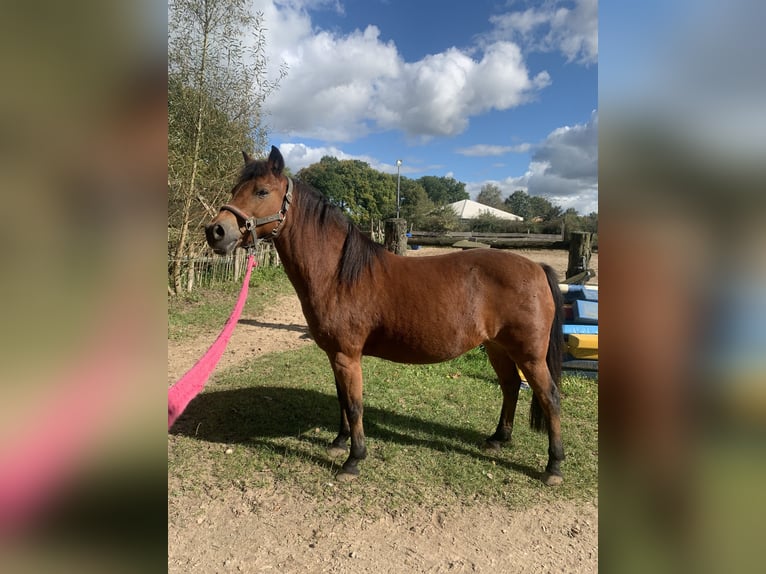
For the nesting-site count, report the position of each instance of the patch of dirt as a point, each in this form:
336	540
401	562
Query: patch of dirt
275	531
281	327
270	530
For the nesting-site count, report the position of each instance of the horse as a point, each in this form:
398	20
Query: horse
360	299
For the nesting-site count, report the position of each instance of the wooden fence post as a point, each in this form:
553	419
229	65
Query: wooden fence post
395	236
579	253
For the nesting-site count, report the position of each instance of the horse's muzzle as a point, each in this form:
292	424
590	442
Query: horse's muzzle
222	235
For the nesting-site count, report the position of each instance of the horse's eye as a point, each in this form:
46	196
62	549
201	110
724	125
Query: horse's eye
261	193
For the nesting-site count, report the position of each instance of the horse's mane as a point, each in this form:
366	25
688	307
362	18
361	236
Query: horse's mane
359	252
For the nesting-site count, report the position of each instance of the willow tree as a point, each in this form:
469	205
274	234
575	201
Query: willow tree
217	83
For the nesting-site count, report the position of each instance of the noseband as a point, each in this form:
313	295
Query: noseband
252	223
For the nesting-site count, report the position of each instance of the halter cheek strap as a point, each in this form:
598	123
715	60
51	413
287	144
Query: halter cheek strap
252	223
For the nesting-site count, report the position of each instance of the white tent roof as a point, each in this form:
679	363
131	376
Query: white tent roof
467	209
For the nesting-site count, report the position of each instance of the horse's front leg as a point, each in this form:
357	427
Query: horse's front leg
339	447
348	380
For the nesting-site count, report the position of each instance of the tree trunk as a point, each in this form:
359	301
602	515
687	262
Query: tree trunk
579	253
395	236
181	247
186	215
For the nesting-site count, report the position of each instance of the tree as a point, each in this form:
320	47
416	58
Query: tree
216	89
574	222
442	190
518	204
543	208
415	203
491	195
363	193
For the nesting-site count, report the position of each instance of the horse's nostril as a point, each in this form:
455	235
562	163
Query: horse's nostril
215	233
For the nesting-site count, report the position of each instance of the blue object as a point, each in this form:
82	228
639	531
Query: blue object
573	329
575	292
585	312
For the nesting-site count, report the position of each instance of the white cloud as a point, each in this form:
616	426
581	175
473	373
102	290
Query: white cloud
438	94
563	169
341	87
298	155
485	150
331	86
571	152
570	27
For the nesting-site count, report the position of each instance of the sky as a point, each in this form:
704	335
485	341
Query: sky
502	92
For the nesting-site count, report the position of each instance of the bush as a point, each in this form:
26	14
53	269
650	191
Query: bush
442	218
487	223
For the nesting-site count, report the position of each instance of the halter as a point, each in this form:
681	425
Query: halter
252	223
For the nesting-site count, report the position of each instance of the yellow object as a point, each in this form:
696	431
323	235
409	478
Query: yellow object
581	341
582	346
591	354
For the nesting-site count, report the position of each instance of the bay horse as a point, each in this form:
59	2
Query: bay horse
359	299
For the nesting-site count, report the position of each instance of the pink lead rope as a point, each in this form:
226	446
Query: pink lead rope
189	386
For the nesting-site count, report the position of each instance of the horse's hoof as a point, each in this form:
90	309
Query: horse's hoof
336	451
344	476
492	445
552	479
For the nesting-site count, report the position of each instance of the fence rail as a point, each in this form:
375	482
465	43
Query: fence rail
482	235
208	270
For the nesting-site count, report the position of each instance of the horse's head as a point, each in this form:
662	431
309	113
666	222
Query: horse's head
259	202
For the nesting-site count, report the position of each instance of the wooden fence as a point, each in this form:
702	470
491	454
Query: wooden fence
207	270
500	240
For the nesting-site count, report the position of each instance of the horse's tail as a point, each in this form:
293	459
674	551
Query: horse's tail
537	420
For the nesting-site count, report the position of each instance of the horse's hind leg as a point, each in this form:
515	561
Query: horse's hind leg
547	396
338	446
510	383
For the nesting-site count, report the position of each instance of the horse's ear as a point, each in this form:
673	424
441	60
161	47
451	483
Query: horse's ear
246	157
276	163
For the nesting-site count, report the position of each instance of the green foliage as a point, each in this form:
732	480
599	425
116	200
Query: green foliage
574	222
415	203
443	190
217	161
518	204
443	218
532	207
540	207
488	223
491	195
363	193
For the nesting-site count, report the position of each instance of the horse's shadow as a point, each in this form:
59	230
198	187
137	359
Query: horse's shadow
257	415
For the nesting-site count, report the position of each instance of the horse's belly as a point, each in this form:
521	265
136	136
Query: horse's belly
418	350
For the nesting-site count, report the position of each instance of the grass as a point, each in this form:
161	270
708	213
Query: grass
424	426
207	309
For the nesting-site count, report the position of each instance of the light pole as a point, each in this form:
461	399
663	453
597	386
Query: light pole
398	180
